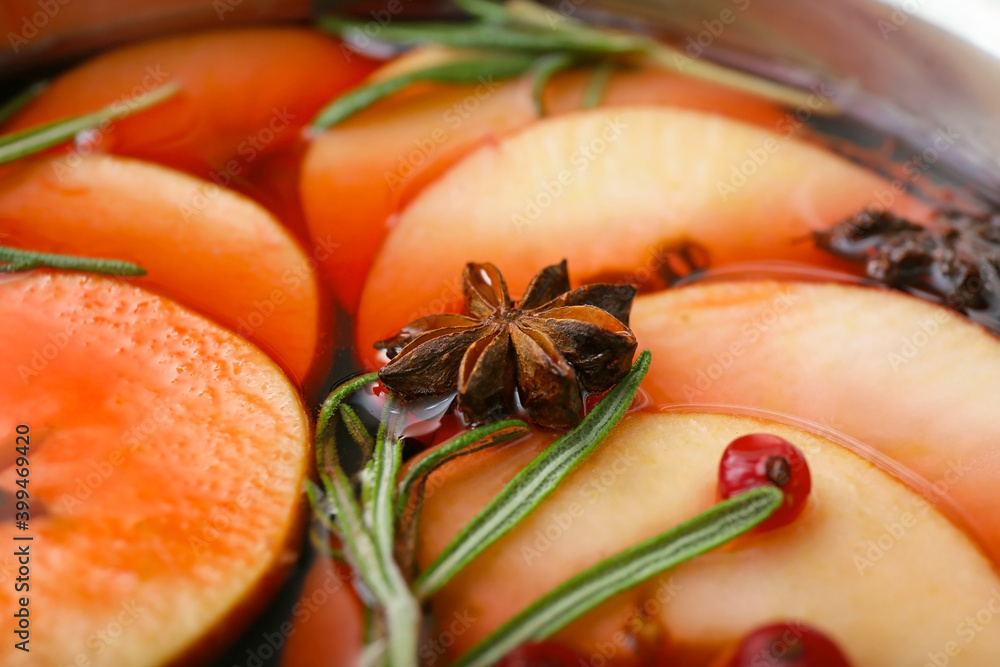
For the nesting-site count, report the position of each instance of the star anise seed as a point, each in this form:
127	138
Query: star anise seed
541	354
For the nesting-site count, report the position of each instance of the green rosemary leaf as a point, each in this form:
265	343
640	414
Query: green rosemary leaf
547	67
533	484
27	142
665	57
530	13
410	495
467	443
377	569
359	544
15	259
505	37
380	573
386	460
466	71
401	609
483	9
366	528
533	13
586	590
357	430
18	102
330	406
597	86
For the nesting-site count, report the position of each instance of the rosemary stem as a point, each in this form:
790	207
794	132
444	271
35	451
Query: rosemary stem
402	612
16	259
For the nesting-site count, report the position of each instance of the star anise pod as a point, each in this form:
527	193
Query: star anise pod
542	354
955	259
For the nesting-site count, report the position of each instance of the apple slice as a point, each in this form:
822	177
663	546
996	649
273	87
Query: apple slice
869	561
209	248
359	174
911	379
245	92
166	461
327	625
607	190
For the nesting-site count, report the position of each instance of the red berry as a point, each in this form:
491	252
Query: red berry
755	460
541	654
788	645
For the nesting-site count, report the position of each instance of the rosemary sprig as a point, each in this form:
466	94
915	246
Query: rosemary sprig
547	67
327	411
35	139
520	31
588	589
402	612
357	430
467	443
367	528
483	9
598	83
473	70
666	57
16	259
490	35
410	493
533	484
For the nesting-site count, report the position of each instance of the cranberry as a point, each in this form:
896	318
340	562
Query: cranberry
540	654
755	460
788	645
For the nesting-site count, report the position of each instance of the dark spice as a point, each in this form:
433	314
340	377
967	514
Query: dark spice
541	354
778	470
955	260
